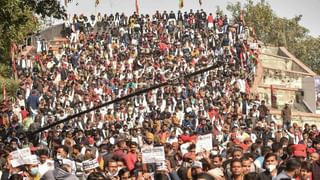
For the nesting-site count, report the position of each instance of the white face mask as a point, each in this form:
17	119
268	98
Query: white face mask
214	152
271	167
59	157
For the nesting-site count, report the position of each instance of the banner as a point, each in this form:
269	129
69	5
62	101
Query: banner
137	6
181	4
153	155
204	142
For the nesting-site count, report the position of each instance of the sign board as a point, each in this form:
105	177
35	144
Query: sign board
184	148
90	164
204	142
153	155
22	157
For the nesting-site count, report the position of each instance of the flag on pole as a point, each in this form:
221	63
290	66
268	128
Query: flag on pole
137	6
181	4
200	2
4	93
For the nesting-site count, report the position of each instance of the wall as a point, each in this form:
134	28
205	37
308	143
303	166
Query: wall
308	88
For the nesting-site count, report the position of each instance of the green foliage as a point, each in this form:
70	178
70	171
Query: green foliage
277	31
17	20
11	87
5	71
47	8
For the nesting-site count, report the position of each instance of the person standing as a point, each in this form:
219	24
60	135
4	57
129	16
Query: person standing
286	116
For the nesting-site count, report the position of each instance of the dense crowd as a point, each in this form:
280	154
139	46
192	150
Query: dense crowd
108	57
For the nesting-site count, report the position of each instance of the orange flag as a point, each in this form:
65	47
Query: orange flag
137	7
181	4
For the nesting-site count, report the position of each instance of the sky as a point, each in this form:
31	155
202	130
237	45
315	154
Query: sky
309	9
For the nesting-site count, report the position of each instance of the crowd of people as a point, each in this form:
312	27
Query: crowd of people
108	57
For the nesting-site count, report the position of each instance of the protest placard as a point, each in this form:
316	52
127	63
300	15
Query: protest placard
90	164
184	148
204	142
20	157
153	155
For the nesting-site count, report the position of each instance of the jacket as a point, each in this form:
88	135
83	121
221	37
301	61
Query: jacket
58	174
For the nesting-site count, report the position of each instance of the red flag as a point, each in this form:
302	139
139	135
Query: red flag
4	93
13	48
200	2
137	7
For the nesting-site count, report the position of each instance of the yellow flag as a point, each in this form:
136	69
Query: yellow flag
181	4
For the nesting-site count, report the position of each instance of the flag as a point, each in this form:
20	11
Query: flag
137	7
97	3
181	4
13	48
4	93
200	2
273	97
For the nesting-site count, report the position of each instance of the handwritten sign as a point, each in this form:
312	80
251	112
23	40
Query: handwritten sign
204	142
153	155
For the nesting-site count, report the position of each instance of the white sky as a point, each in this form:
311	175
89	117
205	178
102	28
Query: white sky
284	8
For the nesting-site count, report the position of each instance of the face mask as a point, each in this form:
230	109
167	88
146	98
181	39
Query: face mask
59	157
112	174
34	171
214	152
271	167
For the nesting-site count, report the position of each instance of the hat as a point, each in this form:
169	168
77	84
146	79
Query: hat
236	141
149	135
311	150
299	150
196	164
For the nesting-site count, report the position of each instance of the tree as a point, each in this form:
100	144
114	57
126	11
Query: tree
277	31
17	20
